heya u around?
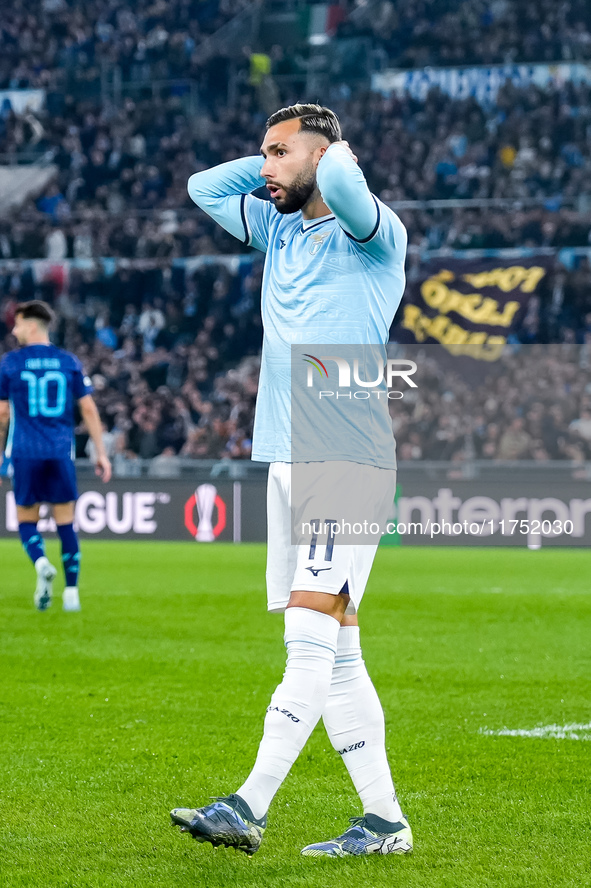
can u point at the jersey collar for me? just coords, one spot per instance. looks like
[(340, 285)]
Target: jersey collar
[(308, 224)]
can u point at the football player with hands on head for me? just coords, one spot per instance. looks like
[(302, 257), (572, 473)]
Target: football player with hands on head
[(334, 273)]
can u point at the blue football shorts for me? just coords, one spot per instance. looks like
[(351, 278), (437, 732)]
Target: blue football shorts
[(43, 481)]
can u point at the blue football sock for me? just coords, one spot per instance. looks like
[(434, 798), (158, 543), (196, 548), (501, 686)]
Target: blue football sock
[(70, 553), (32, 541)]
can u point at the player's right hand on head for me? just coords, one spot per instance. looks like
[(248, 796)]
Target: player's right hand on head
[(103, 468)]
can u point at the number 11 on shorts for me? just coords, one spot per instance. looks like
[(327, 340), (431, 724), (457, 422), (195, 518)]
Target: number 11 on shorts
[(329, 525)]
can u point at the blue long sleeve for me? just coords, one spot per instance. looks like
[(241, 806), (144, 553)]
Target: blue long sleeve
[(345, 192), (221, 192)]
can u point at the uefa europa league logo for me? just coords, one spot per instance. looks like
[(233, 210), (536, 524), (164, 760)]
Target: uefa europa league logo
[(206, 501), (205, 496)]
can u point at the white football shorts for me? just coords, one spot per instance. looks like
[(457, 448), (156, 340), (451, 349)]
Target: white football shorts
[(324, 524)]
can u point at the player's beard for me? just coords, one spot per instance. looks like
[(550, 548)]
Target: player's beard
[(299, 192)]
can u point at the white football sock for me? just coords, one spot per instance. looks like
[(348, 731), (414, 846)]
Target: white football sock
[(354, 721), (296, 705), (71, 599)]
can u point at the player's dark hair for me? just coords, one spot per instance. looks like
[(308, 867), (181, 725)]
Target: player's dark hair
[(36, 309), (313, 119)]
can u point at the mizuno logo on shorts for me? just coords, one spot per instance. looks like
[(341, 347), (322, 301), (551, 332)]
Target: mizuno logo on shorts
[(316, 570)]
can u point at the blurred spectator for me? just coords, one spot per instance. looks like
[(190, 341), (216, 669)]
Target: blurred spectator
[(515, 442), (166, 465), (56, 247), (582, 425), (109, 440), (150, 323)]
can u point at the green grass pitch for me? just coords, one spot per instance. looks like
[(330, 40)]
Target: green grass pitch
[(154, 697)]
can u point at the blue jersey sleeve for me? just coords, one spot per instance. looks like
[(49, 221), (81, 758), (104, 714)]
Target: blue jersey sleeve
[(81, 384), (4, 380), (258, 215), (366, 220), (224, 193)]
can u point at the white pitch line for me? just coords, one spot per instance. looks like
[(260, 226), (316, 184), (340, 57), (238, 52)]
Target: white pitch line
[(554, 732)]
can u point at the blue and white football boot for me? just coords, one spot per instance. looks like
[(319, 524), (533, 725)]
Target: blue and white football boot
[(227, 821), (366, 835), (46, 574)]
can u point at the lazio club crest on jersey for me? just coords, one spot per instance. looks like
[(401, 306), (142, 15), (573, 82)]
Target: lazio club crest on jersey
[(315, 242)]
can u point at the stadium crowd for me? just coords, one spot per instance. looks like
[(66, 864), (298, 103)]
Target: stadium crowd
[(166, 39), (419, 33), (122, 166), (174, 362), (120, 189), (534, 403), (173, 351), (156, 357), (52, 43)]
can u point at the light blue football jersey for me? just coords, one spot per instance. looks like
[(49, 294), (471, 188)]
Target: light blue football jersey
[(336, 280)]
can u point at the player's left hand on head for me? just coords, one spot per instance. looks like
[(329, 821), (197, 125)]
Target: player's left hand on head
[(103, 468), (348, 149)]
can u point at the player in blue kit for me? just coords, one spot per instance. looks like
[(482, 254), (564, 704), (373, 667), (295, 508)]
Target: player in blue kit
[(39, 386), (334, 273)]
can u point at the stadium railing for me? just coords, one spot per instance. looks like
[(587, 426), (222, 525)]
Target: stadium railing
[(434, 469)]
